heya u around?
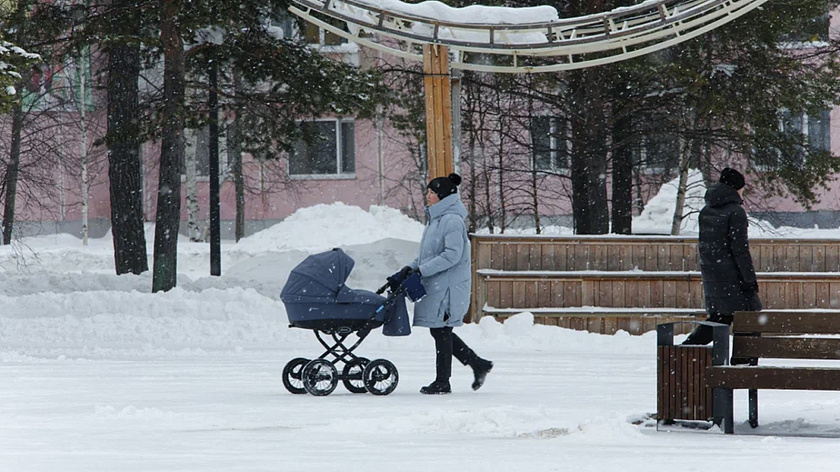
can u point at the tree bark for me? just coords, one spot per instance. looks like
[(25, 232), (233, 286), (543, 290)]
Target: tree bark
[(191, 181), (622, 170), (12, 172), (125, 169), (589, 154), (172, 148), (676, 221)]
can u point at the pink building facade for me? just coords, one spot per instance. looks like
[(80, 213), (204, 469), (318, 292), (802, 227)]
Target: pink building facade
[(364, 163)]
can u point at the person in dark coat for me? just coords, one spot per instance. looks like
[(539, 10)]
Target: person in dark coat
[(445, 271), (726, 266)]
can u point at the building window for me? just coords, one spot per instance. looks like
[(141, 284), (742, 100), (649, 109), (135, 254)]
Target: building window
[(197, 146), (812, 31), (320, 37), (803, 131), (330, 151), (550, 143), (658, 152)]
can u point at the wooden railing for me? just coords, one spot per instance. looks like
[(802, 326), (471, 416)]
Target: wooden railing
[(608, 283)]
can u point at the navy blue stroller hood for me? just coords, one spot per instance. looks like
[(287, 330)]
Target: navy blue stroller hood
[(316, 297)]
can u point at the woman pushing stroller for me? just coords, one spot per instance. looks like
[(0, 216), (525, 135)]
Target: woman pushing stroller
[(444, 267)]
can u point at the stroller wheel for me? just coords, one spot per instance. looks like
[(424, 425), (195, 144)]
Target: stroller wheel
[(292, 375), (319, 377), (352, 375), (381, 377)]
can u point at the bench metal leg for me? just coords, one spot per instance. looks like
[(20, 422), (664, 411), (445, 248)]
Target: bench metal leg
[(723, 411), (753, 408)]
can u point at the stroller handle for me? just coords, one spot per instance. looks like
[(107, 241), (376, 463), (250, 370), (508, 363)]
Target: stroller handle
[(383, 288)]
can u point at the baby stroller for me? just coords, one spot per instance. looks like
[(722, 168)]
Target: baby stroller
[(316, 298)]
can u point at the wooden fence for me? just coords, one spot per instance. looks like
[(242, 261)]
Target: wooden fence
[(608, 283)]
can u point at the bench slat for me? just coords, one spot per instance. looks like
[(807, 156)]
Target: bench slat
[(786, 347), (773, 378), (790, 322)]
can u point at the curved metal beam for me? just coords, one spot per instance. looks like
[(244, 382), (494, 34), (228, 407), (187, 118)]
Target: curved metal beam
[(572, 43)]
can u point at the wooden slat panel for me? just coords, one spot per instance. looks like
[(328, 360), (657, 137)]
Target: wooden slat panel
[(656, 295), (613, 257), (523, 257), (547, 252), (493, 294), (509, 257), (559, 295), (618, 293), (505, 294), (796, 322), (544, 294), (532, 299), (662, 412), (809, 296), (774, 378), (834, 295), (792, 257), (832, 258), (519, 294), (625, 256), (535, 261), (564, 257), (823, 297), (778, 257), (786, 347), (581, 257), (497, 256), (574, 292), (651, 255)]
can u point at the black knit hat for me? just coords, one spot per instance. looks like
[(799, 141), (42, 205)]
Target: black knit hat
[(445, 186), (733, 178)]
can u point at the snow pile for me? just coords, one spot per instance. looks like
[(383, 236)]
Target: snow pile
[(323, 227), (434, 11), (658, 214)]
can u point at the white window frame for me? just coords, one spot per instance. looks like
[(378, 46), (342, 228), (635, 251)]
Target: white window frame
[(554, 145), (339, 157), (804, 129)]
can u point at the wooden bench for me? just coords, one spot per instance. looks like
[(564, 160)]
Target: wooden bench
[(786, 335)]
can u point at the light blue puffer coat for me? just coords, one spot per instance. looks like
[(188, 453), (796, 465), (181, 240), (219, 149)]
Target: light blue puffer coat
[(444, 263)]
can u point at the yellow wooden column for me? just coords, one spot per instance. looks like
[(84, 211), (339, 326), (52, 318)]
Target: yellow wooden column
[(438, 109)]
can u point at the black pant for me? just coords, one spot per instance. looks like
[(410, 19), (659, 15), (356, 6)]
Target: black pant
[(448, 344), (721, 311)]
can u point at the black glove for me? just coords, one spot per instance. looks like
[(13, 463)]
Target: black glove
[(750, 288), (396, 279)]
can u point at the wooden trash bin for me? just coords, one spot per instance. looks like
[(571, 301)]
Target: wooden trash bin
[(681, 388)]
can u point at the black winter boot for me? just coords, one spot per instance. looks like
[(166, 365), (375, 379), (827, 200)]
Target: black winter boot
[(438, 387), (481, 367)]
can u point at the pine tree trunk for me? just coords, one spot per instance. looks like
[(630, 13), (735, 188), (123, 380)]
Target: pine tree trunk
[(164, 275), (622, 172), (12, 172), (589, 154), (125, 169)]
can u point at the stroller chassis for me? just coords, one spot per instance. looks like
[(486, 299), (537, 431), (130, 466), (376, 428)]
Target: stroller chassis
[(320, 376)]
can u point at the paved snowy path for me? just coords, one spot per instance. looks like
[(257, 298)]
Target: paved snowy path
[(200, 411)]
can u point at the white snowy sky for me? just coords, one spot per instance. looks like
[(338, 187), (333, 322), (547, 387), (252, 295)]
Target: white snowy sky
[(100, 375)]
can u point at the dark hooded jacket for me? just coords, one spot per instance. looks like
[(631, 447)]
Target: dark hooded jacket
[(725, 262)]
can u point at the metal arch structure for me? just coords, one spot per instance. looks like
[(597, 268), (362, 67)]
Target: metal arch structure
[(572, 43), (513, 46)]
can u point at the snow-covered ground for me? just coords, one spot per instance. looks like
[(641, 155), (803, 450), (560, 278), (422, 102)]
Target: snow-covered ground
[(98, 374)]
